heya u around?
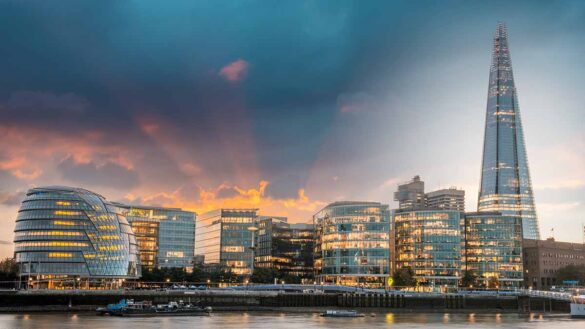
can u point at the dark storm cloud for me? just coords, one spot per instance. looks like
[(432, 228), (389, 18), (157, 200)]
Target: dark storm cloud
[(33, 103), (334, 97), (109, 174)]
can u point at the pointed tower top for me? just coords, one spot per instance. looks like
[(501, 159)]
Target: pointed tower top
[(501, 30)]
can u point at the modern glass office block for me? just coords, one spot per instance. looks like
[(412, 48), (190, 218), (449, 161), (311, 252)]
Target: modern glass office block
[(505, 178), (223, 239), (287, 248), (493, 248), (352, 244), (166, 236), (71, 232), (429, 242)]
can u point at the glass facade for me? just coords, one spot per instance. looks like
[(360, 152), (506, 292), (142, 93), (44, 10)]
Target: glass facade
[(352, 244), (62, 231), (505, 179), (429, 242), (165, 236), (493, 248), (287, 248), (223, 239)]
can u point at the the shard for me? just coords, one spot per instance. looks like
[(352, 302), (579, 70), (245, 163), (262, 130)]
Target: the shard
[(505, 179)]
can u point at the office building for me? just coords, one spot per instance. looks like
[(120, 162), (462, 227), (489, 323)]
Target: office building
[(65, 234), (287, 248), (411, 195), (505, 178), (429, 243), (543, 259), (352, 244), (446, 199), (493, 249), (224, 239), (165, 236)]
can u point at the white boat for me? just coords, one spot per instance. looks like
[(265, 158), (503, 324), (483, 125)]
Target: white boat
[(342, 314), (578, 306)]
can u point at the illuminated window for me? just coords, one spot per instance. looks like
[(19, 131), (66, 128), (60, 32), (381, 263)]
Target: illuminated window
[(67, 213), (178, 254), (64, 222), (233, 248), (60, 255)]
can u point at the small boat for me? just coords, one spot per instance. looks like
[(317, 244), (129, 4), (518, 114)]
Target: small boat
[(342, 314), (578, 306), (129, 308), (180, 308)]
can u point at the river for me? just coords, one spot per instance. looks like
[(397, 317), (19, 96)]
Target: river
[(288, 321)]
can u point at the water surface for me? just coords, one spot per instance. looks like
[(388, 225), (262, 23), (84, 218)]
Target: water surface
[(289, 321)]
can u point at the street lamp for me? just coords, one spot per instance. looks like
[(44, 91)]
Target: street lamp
[(253, 229)]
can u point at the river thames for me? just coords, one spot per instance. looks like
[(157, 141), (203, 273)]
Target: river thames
[(289, 320)]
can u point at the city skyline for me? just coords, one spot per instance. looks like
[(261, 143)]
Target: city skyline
[(285, 110)]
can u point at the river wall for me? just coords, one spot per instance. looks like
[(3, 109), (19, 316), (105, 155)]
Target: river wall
[(226, 300)]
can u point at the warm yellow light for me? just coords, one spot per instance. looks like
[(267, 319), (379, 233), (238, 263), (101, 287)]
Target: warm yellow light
[(63, 222), (60, 255)]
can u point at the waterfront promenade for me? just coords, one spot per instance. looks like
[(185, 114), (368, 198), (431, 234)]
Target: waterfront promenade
[(289, 299)]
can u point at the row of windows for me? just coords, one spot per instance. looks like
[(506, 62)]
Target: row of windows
[(50, 244)]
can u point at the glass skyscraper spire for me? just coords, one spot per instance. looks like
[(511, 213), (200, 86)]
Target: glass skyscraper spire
[(505, 180)]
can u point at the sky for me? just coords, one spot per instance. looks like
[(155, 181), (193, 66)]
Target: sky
[(284, 106)]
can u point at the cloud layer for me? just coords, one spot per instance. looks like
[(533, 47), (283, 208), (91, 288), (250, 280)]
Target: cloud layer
[(284, 107)]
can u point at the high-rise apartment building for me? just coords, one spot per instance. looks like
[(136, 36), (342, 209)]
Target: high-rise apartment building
[(505, 178)]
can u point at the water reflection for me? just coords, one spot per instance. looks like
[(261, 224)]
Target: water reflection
[(225, 320), (446, 318)]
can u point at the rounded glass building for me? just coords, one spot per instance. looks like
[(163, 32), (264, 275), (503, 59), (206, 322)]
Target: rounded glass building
[(65, 233), (352, 245)]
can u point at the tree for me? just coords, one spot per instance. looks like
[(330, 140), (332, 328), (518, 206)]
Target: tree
[(8, 269), (264, 275), (404, 277), (571, 273), (493, 282), (469, 278)]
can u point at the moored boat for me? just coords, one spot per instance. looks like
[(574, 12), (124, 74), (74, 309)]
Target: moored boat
[(128, 308), (342, 314), (578, 306)]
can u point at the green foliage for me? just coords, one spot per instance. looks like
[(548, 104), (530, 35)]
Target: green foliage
[(264, 275), (404, 277), (267, 275), (469, 279), (8, 270), (571, 272), (174, 275)]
